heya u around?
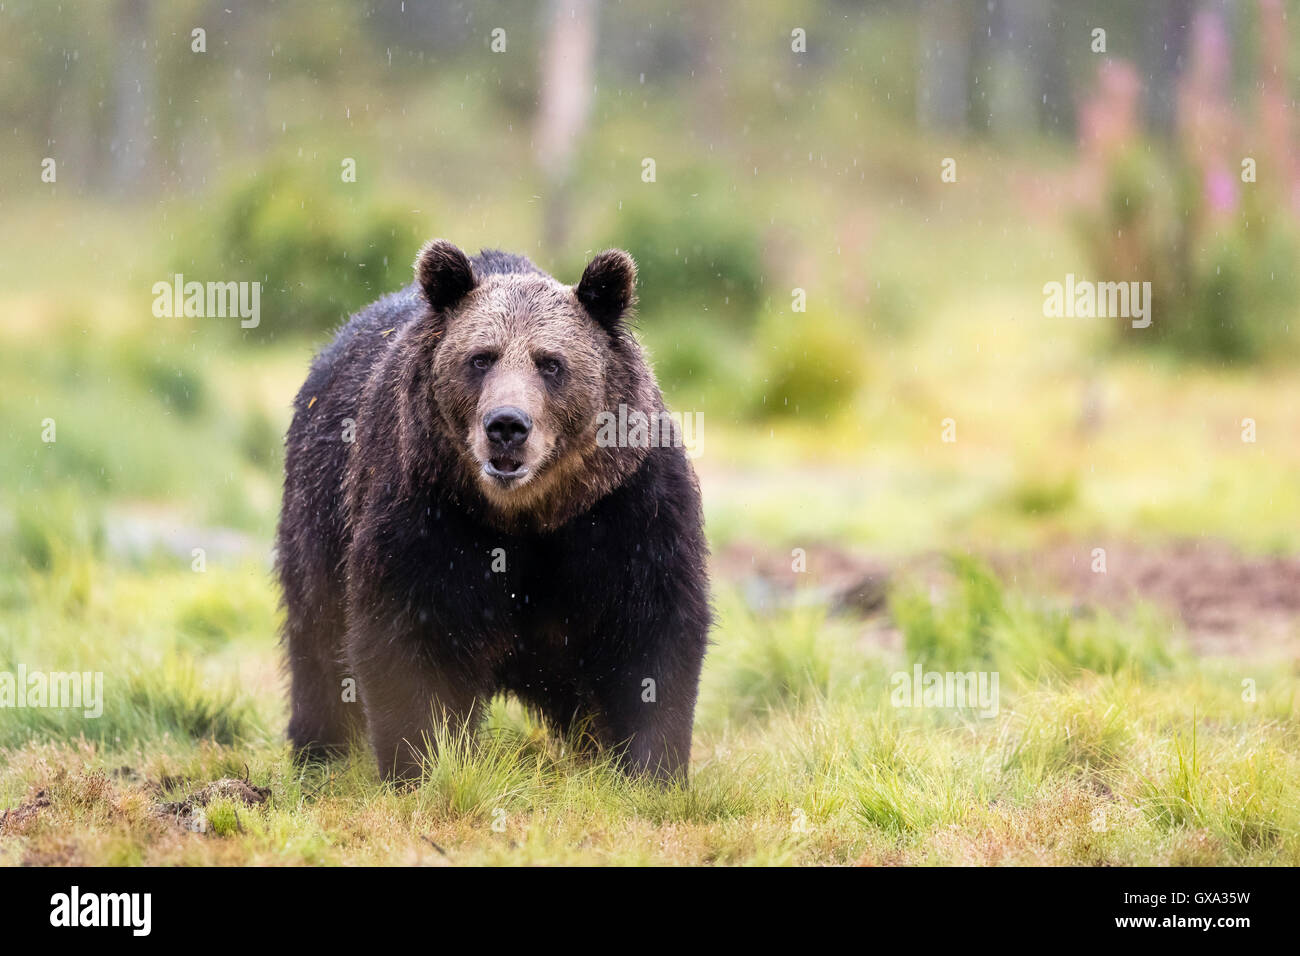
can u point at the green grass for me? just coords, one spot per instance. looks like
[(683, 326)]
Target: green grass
[(981, 626), (799, 757)]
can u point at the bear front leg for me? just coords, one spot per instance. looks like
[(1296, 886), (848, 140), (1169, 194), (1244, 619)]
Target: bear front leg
[(653, 636), (321, 721), (406, 699), (647, 709)]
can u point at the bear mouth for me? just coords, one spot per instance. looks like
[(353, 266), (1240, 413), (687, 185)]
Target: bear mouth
[(504, 470)]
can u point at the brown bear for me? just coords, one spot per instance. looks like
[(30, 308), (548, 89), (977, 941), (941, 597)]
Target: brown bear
[(453, 525)]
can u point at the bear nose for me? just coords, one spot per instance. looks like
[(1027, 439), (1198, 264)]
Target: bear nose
[(507, 426)]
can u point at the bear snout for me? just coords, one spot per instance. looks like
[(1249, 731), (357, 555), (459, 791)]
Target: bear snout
[(507, 428)]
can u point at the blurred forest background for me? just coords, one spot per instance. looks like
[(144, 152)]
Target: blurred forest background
[(797, 152)]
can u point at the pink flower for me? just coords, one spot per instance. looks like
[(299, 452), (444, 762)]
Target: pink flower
[(1220, 190)]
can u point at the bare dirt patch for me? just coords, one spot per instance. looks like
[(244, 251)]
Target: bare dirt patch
[(830, 575), (1229, 603), (188, 813)]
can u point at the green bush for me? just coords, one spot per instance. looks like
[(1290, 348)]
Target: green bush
[(1240, 304), (811, 364), (212, 617), (260, 441), (176, 384), (321, 249), (1044, 495), (51, 527), (1223, 286), (699, 365), (697, 254)]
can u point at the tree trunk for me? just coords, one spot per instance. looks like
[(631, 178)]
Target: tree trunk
[(566, 83)]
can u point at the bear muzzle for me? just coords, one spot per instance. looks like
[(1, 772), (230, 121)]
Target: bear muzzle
[(507, 428)]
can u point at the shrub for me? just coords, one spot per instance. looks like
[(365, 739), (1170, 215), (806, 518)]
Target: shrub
[(177, 385), (811, 364), (696, 256), (1224, 288), (320, 253), (1217, 246), (51, 528)]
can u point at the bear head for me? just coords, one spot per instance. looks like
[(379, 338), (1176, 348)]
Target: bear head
[(516, 368)]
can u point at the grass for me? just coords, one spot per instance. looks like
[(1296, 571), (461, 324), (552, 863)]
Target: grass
[(1145, 758), (981, 625)]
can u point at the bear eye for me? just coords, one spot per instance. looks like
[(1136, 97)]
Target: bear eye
[(482, 361), (550, 367)]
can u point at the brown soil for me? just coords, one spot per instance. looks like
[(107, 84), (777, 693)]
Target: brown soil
[(1229, 603), (228, 787), (831, 575)]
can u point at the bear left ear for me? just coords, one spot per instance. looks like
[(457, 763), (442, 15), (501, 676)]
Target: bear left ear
[(607, 288)]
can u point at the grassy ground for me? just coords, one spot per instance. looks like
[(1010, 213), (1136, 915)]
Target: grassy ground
[(1112, 745)]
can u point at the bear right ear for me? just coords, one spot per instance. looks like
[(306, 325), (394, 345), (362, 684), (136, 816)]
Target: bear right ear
[(444, 274)]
